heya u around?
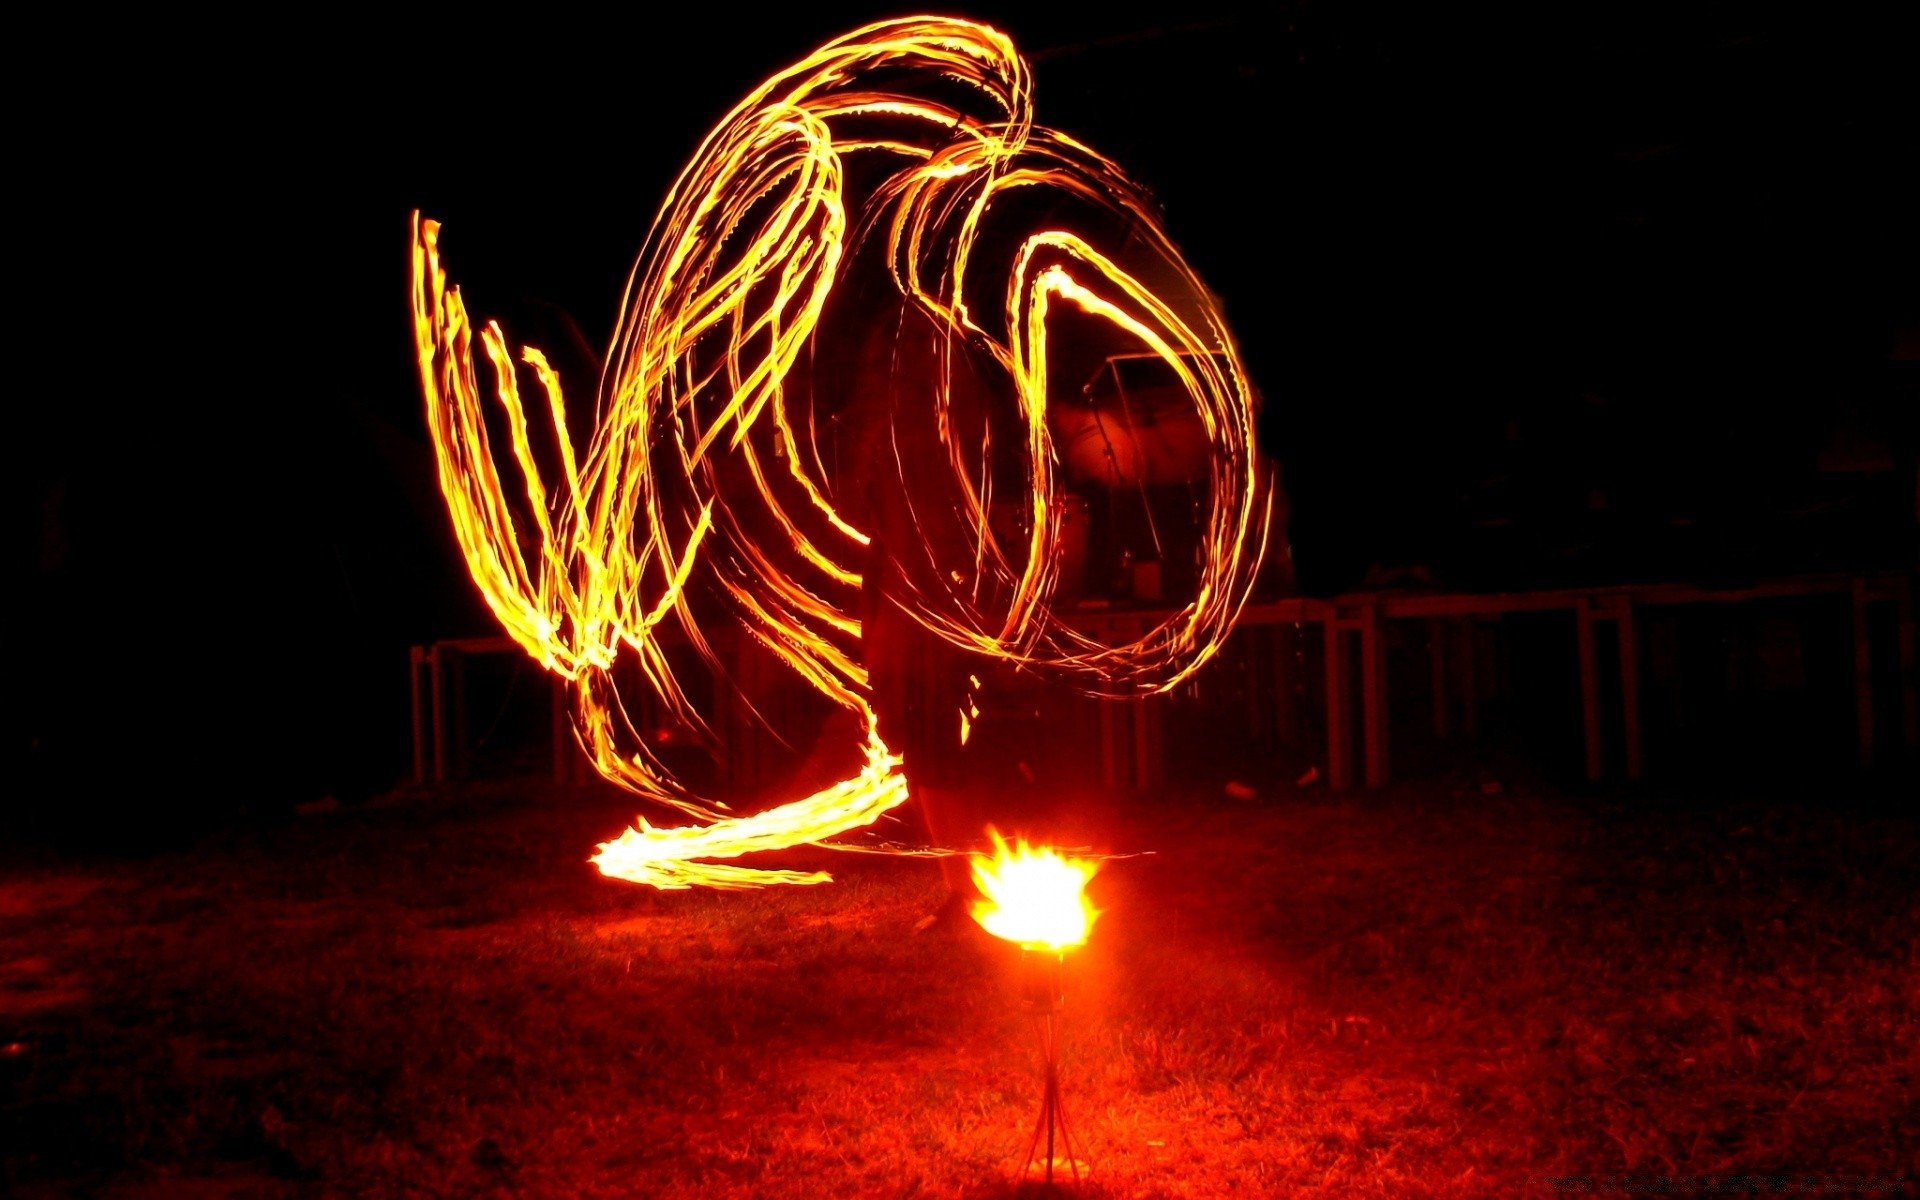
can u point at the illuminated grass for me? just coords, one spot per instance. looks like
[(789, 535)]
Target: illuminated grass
[(1407, 995)]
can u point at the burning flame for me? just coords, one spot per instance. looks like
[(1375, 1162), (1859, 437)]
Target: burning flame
[(1033, 897), (703, 475)]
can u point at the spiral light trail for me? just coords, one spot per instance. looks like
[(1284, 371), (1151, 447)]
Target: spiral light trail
[(909, 144)]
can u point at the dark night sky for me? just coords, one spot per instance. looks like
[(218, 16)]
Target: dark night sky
[(1482, 270)]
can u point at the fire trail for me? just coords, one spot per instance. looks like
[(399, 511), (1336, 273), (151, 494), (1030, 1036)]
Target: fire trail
[(909, 146)]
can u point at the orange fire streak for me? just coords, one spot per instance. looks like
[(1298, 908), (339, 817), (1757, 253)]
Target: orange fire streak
[(673, 490)]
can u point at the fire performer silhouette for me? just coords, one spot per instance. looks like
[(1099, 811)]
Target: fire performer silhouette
[(911, 144), (920, 563)]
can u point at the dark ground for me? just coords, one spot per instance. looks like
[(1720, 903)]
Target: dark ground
[(1474, 985)]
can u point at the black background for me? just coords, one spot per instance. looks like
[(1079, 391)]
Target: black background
[(1532, 300)]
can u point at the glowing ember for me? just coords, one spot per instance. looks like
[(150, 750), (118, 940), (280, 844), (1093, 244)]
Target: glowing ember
[(703, 477), (1033, 897)]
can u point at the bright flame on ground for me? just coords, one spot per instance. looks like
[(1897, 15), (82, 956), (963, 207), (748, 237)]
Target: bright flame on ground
[(1034, 897), (703, 473)]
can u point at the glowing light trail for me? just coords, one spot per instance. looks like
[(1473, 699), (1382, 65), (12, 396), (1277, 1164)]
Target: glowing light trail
[(703, 475)]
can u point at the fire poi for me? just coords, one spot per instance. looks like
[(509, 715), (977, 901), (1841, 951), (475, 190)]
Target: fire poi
[(913, 142)]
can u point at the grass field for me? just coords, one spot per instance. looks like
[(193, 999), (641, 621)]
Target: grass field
[(1433, 991)]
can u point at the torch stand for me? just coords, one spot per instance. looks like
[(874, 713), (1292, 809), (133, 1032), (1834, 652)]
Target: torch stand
[(1041, 996)]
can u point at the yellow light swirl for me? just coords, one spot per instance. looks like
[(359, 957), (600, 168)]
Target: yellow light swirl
[(703, 475)]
